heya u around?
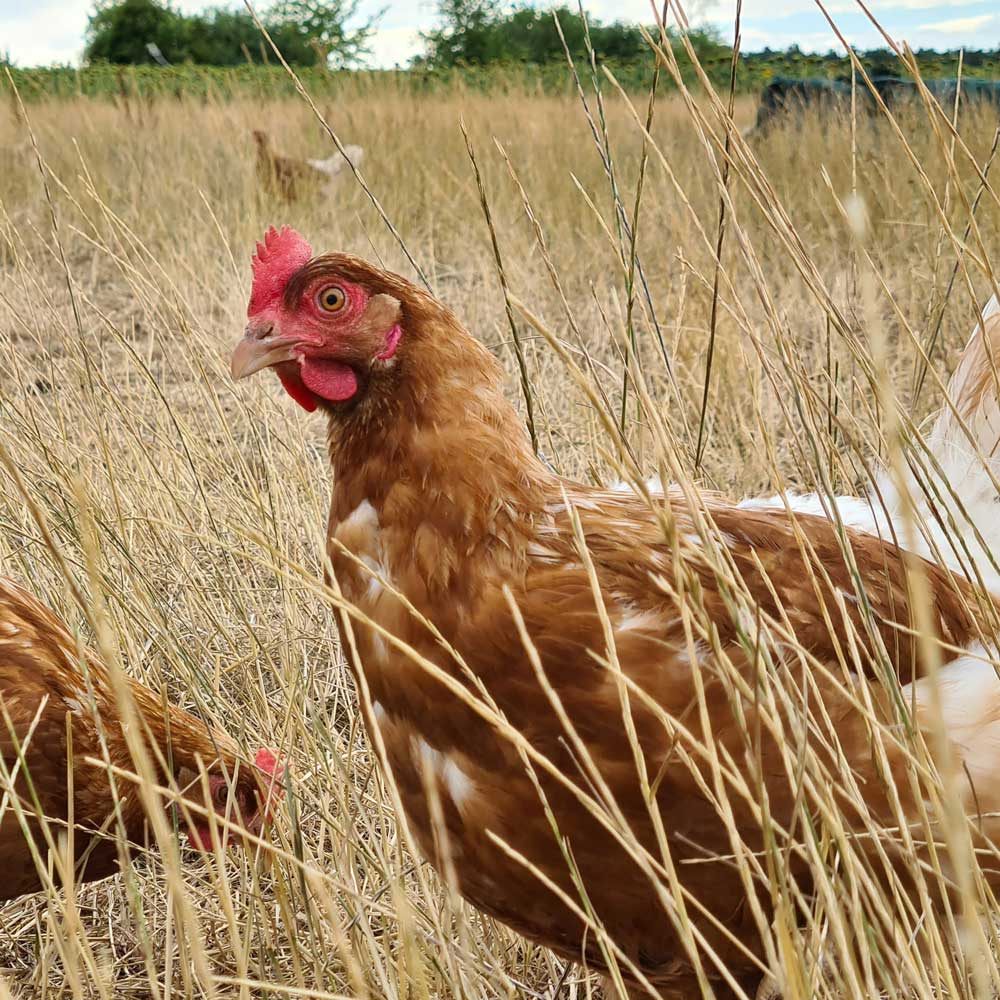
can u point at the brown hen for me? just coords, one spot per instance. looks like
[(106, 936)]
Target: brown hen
[(566, 676), (58, 716)]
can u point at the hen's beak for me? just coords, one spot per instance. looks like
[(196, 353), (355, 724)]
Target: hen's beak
[(261, 347)]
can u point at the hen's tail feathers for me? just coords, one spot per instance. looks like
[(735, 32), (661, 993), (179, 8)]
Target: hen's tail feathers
[(955, 482), (974, 391), (967, 695), (335, 164)]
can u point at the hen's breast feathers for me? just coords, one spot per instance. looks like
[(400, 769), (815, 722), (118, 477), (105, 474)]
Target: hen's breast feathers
[(657, 594)]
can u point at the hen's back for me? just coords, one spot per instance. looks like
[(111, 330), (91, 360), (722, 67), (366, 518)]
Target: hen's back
[(49, 686)]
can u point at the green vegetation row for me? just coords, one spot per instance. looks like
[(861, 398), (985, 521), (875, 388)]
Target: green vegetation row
[(273, 82), (258, 81)]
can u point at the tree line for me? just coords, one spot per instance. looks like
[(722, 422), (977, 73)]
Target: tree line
[(473, 34), (307, 32), (314, 32)]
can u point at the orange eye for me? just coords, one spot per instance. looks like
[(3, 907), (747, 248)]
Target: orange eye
[(331, 299), (220, 793)]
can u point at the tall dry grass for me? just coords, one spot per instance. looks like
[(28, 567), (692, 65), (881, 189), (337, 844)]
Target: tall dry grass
[(123, 281)]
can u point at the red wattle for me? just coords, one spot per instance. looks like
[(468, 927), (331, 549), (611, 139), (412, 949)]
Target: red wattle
[(295, 388), (201, 838), (329, 380)]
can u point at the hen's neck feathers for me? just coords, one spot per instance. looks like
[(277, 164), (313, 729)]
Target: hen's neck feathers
[(439, 444), (181, 737)]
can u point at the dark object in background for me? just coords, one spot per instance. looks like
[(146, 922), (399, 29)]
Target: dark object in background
[(973, 92), (785, 96)]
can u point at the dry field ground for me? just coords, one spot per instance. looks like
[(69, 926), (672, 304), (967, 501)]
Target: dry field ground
[(196, 507)]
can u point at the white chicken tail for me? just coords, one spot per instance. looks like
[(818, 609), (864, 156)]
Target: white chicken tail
[(335, 164), (968, 698), (952, 483), (954, 489), (974, 391)]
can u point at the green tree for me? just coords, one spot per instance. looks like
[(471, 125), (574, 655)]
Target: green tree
[(467, 34), (223, 37), (306, 32), (120, 30), (323, 24), (477, 32)]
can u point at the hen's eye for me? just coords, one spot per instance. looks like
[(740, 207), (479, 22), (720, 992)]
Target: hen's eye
[(332, 299), (220, 793)]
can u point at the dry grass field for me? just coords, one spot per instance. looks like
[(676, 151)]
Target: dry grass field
[(192, 510)]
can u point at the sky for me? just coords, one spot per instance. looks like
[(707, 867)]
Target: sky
[(42, 32)]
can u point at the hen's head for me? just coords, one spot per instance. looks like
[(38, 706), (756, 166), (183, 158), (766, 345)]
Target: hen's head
[(332, 327), (246, 798)]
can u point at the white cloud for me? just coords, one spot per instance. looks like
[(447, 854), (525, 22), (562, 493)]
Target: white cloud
[(401, 13), (767, 9), (422, 13), (924, 4), (814, 41), (49, 31), (394, 46), (960, 25)]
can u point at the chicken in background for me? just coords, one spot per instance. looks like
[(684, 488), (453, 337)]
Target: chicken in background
[(446, 532), (290, 178), (55, 713)]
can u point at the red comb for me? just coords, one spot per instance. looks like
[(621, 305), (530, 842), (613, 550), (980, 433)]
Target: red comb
[(281, 254), (268, 762)]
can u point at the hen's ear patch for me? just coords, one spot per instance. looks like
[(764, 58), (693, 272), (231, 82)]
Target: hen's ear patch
[(382, 313), (278, 257), (380, 323)]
